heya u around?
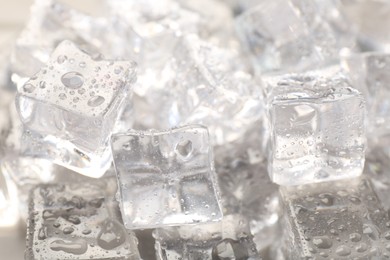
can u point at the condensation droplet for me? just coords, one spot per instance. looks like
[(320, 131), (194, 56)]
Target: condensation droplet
[(95, 101), (29, 88), (72, 80)]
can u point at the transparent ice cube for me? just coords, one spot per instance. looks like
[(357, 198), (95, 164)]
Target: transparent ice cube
[(369, 72), (337, 220), (317, 128), (202, 84), (78, 220), (51, 22), (294, 35), (70, 108), (228, 239), (166, 178)]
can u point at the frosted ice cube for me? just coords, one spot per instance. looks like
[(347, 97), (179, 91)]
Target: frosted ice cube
[(294, 35), (78, 220), (166, 178), (341, 220), (69, 109), (317, 128), (228, 239), (369, 72)]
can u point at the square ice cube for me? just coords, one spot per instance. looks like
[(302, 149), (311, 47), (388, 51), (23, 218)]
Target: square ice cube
[(317, 128), (370, 75), (166, 178), (293, 35), (335, 220), (78, 220), (228, 239), (70, 107)]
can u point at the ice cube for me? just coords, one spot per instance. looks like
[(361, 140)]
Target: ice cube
[(78, 220), (51, 22), (202, 84), (69, 109), (369, 17), (317, 128), (228, 239), (294, 35), (166, 178), (337, 220), (369, 72)]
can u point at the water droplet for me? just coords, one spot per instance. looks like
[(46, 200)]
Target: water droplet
[(42, 233), (355, 237), (61, 59), (72, 80), (29, 88), (76, 99), (361, 248), (82, 64), (68, 230), (42, 84), (95, 101), (76, 247), (118, 70), (62, 96), (87, 231), (322, 242), (343, 251)]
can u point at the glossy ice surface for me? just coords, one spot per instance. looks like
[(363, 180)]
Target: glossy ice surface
[(317, 129), (72, 93), (78, 220), (228, 239), (166, 178), (340, 220)]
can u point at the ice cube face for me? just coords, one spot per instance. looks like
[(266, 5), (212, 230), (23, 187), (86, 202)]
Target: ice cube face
[(369, 72), (228, 239), (77, 221), (293, 35), (166, 178), (71, 94), (317, 129), (340, 220)]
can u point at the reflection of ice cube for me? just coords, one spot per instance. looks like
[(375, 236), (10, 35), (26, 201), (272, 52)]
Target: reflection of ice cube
[(166, 178), (294, 35), (78, 220), (317, 128), (228, 239), (69, 109), (342, 220)]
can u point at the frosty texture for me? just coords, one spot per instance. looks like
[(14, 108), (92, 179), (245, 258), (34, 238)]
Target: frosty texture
[(166, 178), (69, 109)]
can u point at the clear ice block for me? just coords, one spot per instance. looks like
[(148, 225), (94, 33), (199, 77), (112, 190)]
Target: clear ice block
[(70, 108), (294, 35), (335, 220), (317, 128), (78, 220), (228, 239), (369, 73), (166, 178)]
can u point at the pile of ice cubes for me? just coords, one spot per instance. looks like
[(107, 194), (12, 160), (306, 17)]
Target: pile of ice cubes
[(199, 130)]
